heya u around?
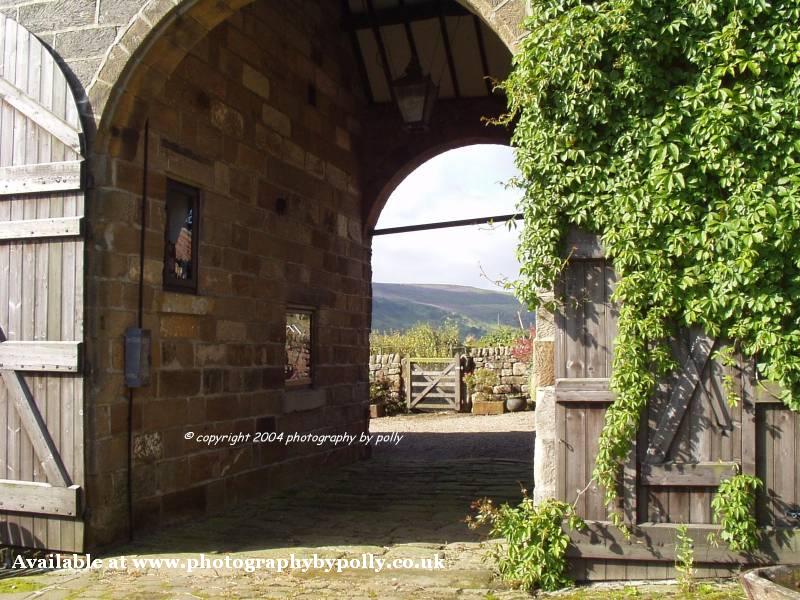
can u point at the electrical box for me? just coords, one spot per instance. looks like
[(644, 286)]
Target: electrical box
[(137, 357)]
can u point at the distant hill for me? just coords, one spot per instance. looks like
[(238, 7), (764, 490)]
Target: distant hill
[(398, 306)]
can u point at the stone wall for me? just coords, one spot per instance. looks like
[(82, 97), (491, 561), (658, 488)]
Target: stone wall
[(280, 225), (512, 373), (388, 367)]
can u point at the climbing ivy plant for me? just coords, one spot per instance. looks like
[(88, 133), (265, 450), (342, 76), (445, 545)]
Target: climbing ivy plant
[(672, 129), (734, 509)]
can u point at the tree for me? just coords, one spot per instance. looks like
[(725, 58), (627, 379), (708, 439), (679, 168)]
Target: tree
[(671, 129)]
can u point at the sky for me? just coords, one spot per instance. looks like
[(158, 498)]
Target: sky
[(459, 184)]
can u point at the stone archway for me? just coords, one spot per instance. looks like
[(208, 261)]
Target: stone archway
[(285, 199), (161, 32)]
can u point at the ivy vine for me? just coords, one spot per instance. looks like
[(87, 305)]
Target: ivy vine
[(672, 129), (734, 509)]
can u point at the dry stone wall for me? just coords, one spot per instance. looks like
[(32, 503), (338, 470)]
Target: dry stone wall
[(512, 372), (388, 367)]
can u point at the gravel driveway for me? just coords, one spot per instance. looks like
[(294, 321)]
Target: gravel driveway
[(448, 436)]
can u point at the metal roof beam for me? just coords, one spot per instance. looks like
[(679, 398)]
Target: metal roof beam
[(446, 224)]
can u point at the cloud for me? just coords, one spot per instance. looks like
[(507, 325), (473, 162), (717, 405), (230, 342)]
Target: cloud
[(460, 184)]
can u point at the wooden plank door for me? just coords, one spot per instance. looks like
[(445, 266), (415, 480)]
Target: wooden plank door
[(693, 437), (41, 299), (690, 438)]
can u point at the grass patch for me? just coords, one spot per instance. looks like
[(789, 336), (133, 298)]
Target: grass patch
[(18, 585)]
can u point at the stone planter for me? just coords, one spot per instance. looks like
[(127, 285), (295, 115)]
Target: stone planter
[(516, 403), (772, 583), (376, 411)]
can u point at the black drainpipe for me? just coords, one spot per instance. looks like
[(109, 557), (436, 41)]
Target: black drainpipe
[(139, 322)]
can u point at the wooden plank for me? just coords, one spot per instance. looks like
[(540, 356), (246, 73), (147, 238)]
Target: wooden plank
[(587, 396), (42, 177), (574, 322), (584, 389), (482, 52), (767, 392), (37, 113), (576, 468), (708, 474), (594, 422), (594, 345), (785, 467), (62, 357), (602, 540), (23, 136), (407, 368), (457, 400), (423, 360), (10, 424), (376, 31), (630, 483), (580, 245), (599, 384), (448, 51), (39, 498), (36, 428), (38, 329), (398, 15), (748, 429), (560, 322), (682, 394), (41, 228)]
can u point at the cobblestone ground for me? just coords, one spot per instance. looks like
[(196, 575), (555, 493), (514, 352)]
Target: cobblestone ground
[(393, 506)]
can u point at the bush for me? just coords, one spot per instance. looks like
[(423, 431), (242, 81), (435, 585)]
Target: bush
[(503, 335), (534, 554), (380, 392), (480, 379), (422, 340)]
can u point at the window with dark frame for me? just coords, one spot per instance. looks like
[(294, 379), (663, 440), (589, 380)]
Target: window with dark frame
[(299, 347), (181, 237)]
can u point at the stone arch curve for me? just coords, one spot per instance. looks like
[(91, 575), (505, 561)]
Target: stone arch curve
[(382, 196), (162, 32)]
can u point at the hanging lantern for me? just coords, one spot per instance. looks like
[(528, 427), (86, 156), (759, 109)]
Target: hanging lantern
[(416, 94)]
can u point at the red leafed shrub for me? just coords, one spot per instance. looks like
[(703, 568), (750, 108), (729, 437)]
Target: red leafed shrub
[(522, 349)]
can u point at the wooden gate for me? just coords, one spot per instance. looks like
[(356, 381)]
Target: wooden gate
[(433, 383), (690, 439), (41, 299)]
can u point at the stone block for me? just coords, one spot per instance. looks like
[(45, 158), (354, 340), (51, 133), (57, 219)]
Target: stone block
[(255, 81), (85, 43), (276, 120), (178, 383), (227, 119), (179, 326), (53, 16), (543, 368)]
